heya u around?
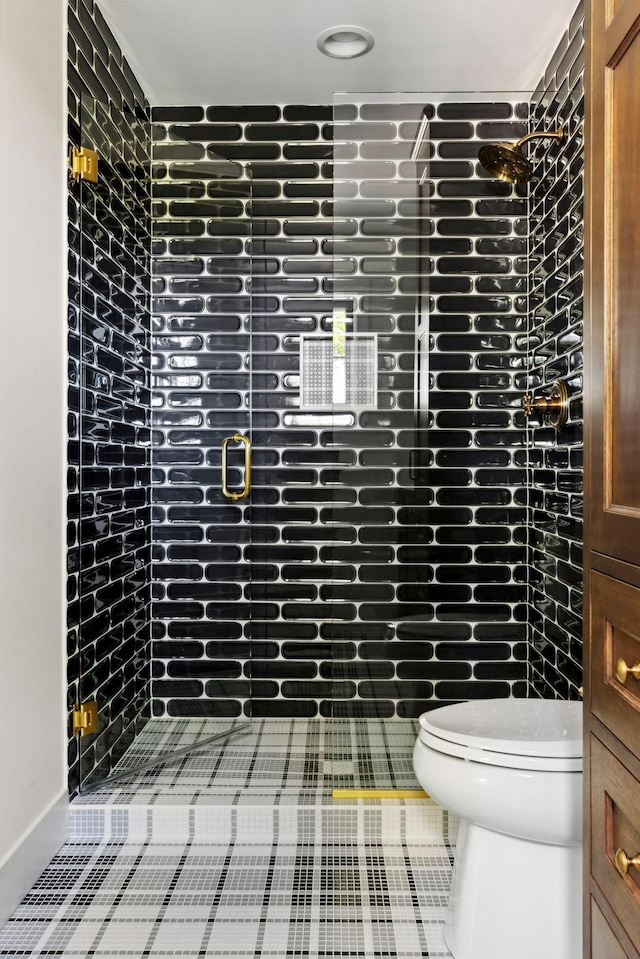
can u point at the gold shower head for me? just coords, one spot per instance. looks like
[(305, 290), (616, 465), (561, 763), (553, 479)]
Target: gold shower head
[(506, 161)]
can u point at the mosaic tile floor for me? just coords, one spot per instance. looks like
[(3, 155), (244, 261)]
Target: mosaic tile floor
[(298, 761), (239, 851), (235, 900)]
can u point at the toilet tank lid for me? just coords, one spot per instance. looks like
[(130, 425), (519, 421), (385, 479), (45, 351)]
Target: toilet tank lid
[(527, 727)]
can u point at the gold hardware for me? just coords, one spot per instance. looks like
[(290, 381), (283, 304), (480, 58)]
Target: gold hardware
[(554, 408), (623, 863), (507, 162), (240, 494), (623, 670), (84, 718), (548, 134), (83, 164), (379, 794)]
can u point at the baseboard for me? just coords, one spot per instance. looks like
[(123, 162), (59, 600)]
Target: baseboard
[(32, 855)]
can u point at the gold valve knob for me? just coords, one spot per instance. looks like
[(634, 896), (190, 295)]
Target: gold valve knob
[(555, 407), (541, 404), (623, 670), (623, 863)]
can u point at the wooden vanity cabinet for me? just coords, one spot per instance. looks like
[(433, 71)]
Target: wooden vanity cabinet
[(612, 481)]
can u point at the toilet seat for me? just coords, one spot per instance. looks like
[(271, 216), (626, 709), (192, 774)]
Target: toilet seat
[(513, 733)]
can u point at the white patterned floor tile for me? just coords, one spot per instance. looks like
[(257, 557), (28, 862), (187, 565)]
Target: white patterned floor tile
[(240, 851), (132, 900)]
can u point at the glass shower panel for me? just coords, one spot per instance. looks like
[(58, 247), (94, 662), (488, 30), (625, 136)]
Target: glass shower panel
[(430, 286), (379, 335), (156, 430), (114, 529)]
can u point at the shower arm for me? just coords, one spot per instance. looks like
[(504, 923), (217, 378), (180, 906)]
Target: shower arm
[(551, 134)]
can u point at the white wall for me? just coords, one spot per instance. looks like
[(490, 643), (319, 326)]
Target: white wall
[(32, 444)]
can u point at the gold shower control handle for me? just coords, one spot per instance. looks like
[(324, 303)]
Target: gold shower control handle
[(555, 407), (623, 670), (243, 493), (623, 863), (539, 405)]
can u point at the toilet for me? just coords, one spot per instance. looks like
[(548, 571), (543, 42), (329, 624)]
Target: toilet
[(511, 769)]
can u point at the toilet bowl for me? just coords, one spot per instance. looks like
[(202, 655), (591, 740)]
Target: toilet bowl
[(512, 770)]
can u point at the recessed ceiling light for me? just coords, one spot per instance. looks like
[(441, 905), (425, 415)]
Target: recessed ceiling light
[(345, 42)]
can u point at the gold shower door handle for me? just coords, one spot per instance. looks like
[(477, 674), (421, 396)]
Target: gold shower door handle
[(243, 493)]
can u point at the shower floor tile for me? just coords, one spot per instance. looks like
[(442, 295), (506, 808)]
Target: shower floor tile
[(232, 899), (282, 761)]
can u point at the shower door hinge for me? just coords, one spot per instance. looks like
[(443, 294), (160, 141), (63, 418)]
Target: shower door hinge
[(83, 164), (84, 718)]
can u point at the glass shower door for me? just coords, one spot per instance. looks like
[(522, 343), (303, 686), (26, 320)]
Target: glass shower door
[(380, 377), (164, 471), (438, 278), (202, 459)]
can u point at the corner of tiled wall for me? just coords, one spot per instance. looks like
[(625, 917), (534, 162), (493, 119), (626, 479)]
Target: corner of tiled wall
[(555, 351)]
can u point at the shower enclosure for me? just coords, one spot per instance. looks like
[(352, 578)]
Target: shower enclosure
[(365, 326)]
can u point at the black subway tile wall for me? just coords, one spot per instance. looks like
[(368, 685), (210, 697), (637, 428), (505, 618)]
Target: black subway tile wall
[(385, 579), (109, 531), (555, 351)]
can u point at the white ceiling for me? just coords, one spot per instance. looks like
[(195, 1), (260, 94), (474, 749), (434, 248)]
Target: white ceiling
[(264, 51)]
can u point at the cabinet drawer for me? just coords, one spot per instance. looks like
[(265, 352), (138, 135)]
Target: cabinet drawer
[(615, 642), (604, 944), (615, 825)]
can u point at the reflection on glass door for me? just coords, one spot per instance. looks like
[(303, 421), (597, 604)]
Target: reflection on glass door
[(155, 428), (428, 597)]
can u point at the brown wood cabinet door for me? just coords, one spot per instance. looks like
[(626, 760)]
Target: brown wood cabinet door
[(613, 278), (604, 941), (615, 807)]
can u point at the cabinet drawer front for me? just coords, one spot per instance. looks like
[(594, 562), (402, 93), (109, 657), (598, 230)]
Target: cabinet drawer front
[(615, 824), (615, 639), (604, 944)]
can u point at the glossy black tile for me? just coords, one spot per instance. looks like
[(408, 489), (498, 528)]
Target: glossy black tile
[(554, 333), (214, 132), (475, 111), (178, 114), (281, 132), (242, 114)]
